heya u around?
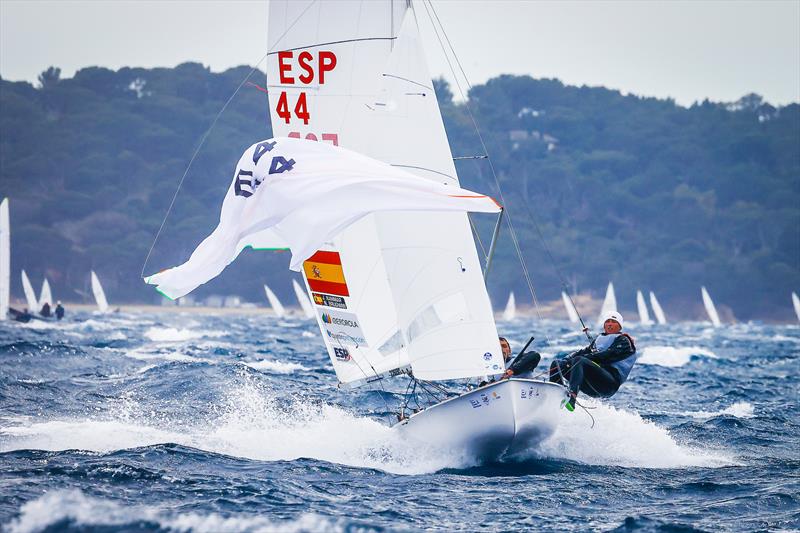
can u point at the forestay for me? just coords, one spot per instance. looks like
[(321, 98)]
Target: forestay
[(99, 294), (395, 288)]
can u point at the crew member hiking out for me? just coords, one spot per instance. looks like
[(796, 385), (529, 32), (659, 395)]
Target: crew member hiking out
[(523, 365), (599, 369)]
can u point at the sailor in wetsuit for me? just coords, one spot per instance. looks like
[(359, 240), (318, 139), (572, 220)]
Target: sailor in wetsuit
[(59, 310), (45, 311), (523, 366), (599, 369)]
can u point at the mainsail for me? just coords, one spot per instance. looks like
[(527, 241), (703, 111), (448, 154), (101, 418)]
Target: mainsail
[(510, 312), (711, 310), (641, 307), (796, 304), (303, 301), (394, 289), (46, 296), (657, 311), (99, 294), (30, 295), (276, 304), (5, 259), (609, 304), (572, 313)]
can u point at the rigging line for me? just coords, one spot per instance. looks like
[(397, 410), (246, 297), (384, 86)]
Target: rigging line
[(208, 132), (530, 214), (486, 152)]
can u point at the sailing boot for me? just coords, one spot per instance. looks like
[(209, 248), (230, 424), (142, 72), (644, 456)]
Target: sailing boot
[(568, 403)]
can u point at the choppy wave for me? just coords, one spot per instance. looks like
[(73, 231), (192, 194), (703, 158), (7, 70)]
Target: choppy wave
[(738, 410), (59, 508), (672, 356), (162, 334)]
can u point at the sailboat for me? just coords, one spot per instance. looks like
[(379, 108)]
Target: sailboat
[(5, 260), (510, 312), (30, 295), (302, 300), (394, 275), (46, 295), (277, 306), (796, 304), (657, 311), (711, 310), (572, 313), (99, 294), (609, 304), (641, 307)]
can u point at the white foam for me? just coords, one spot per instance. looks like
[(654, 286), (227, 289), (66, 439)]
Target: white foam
[(738, 409), (148, 355), (279, 367), (671, 356), (161, 334), (82, 510), (622, 438)]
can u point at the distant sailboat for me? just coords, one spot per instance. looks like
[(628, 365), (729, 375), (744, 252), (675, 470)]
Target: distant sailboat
[(46, 296), (641, 307), (99, 294), (30, 295), (510, 312), (710, 309), (5, 259), (657, 311), (276, 304), (572, 313), (796, 303), (609, 304), (303, 300)]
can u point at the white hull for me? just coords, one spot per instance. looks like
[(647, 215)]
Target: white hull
[(511, 416)]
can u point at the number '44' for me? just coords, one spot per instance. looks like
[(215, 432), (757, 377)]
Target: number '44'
[(300, 108)]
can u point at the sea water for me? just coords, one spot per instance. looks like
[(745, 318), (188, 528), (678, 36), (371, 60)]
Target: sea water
[(170, 422)]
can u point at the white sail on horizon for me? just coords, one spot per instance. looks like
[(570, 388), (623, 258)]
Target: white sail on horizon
[(303, 301), (510, 312), (609, 304), (641, 307), (274, 302), (711, 309), (796, 304), (99, 294), (572, 313), (411, 290), (30, 294), (5, 259), (657, 311), (46, 295)]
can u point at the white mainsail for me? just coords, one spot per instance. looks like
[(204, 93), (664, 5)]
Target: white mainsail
[(510, 312), (46, 296), (796, 304), (609, 304), (30, 295), (5, 259), (711, 310), (99, 294), (572, 313), (641, 307), (303, 301), (657, 311), (276, 304), (410, 288)]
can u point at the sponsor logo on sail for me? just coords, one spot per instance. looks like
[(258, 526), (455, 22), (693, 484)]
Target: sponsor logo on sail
[(341, 354), (328, 300), (487, 356)]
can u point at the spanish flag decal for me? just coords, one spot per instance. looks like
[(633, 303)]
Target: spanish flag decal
[(324, 273)]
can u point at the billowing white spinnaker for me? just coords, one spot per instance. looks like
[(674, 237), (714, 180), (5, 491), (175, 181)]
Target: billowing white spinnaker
[(90, 512), (711, 309), (254, 424), (672, 356)]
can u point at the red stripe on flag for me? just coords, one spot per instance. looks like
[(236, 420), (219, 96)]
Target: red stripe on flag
[(328, 287), (329, 258)]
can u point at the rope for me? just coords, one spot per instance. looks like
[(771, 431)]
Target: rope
[(511, 228), (208, 132)]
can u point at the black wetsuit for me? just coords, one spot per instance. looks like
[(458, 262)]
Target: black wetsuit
[(59, 311), (598, 373), (525, 363), (45, 312)]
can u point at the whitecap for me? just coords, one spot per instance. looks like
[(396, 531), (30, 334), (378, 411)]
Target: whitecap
[(738, 409), (672, 356), (280, 367)]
